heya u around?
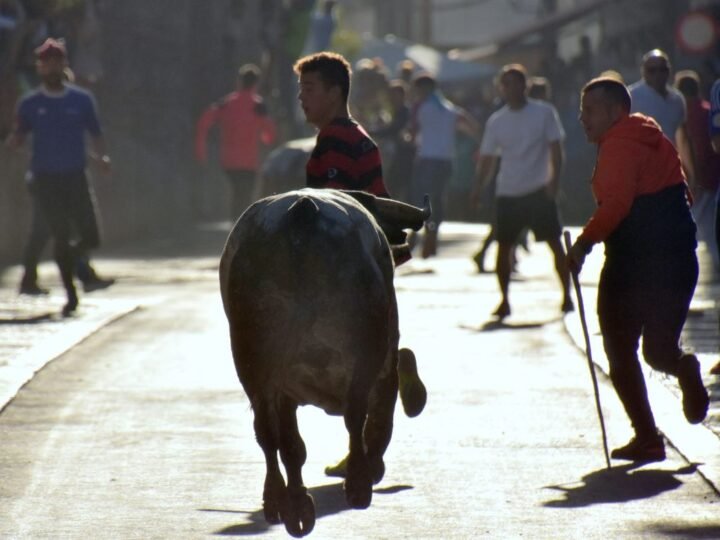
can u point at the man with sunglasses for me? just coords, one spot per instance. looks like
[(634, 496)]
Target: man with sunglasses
[(654, 97)]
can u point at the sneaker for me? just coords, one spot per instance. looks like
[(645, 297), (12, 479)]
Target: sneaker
[(32, 289), (339, 469), (413, 394), (502, 311), (641, 450), (567, 306), (96, 284), (71, 305), (479, 260), (694, 395)]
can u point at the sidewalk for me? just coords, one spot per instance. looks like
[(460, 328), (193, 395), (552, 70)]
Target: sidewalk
[(32, 333)]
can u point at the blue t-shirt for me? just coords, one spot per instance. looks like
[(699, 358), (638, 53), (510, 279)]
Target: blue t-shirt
[(58, 123)]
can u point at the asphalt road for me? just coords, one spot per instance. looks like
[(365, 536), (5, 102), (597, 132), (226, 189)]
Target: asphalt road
[(142, 430)]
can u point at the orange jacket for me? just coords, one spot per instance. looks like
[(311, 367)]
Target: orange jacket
[(243, 124), (634, 158)]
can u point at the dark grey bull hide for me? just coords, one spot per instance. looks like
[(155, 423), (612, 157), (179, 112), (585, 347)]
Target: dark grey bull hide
[(307, 286)]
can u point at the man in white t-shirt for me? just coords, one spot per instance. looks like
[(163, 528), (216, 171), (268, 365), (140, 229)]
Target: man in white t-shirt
[(528, 136)]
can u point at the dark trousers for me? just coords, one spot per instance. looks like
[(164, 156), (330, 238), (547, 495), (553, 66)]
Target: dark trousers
[(64, 209), (431, 176), (650, 298), (242, 184)]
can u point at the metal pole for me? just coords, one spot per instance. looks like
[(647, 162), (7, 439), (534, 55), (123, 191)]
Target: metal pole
[(588, 351)]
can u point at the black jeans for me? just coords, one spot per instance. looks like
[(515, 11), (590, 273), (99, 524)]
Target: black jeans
[(64, 207), (647, 297)]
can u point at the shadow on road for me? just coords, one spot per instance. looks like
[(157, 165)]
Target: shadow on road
[(497, 324), (329, 500), (676, 531), (617, 485)]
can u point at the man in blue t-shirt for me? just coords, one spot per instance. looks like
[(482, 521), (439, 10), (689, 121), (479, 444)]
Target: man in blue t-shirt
[(57, 116)]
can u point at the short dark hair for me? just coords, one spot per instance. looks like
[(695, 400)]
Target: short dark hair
[(688, 82), (249, 75), (613, 90), (333, 69), (424, 81), (516, 70)]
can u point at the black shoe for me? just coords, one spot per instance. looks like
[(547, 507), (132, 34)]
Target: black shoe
[(71, 306), (567, 306), (641, 449), (413, 394), (502, 311), (96, 284), (695, 397), (32, 289)]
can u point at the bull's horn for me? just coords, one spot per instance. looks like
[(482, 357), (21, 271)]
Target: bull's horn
[(392, 210)]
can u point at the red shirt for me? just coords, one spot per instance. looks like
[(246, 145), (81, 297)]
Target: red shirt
[(706, 160), (345, 157), (634, 158), (244, 123)]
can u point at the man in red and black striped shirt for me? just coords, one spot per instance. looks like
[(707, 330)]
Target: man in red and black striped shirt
[(345, 157)]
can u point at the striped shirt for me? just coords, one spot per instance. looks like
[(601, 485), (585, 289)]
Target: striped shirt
[(345, 157)]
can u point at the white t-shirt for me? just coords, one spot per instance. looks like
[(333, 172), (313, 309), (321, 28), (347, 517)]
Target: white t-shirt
[(436, 119), (668, 111), (522, 138)]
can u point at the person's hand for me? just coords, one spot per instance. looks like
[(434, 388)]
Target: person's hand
[(103, 163), (575, 257)]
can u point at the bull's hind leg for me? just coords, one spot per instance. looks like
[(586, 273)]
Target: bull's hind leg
[(274, 492), (379, 424), (358, 481), (299, 513)]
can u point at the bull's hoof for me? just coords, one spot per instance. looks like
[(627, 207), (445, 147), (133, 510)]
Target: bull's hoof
[(378, 470), (413, 394), (358, 484), (299, 516), (358, 495)]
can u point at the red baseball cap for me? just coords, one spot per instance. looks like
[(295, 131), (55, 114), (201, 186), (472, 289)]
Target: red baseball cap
[(51, 47)]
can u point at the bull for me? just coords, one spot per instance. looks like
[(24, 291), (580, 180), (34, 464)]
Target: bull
[(306, 279)]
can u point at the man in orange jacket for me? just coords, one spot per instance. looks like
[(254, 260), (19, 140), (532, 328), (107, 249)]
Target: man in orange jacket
[(244, 124), (650, 269)]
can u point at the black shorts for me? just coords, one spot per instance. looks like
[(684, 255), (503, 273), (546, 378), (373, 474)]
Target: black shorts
[(534, 211)]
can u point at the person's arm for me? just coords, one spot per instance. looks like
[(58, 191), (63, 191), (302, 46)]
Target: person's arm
[(485, 172), (557, 161), (687, 155), (98, 153), (206, 121), (467, 124)]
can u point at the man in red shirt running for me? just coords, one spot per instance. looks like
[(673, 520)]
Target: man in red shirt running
[(345, 157), (244, 123)]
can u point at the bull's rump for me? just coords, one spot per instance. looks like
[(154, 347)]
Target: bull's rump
[(309, 299)]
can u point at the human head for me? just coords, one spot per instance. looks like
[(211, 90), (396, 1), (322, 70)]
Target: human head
[(513, 84), (687, 82), (398, 93), (539, 88), (324, 80), (248, 76), (423, 85), (604, 101), (51, 61), (405, 70), (656, 69)]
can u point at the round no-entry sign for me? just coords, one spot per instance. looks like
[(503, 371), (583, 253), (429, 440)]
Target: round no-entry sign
[(696, 32)]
